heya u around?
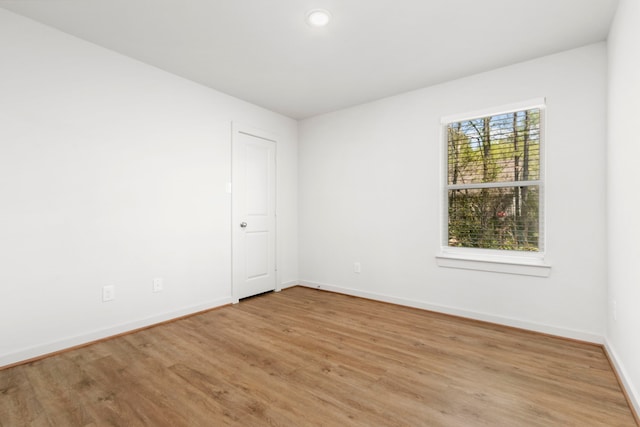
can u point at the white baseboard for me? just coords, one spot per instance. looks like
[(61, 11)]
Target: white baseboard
[(516, 323), (70, 342), (289, 284), (632, 392)]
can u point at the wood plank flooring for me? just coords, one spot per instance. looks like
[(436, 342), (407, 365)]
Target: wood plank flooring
[(303, 357)]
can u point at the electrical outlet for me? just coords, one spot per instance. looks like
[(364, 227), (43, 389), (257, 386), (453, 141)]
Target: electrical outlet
[(157, 284), (108, 293), (357, 268)]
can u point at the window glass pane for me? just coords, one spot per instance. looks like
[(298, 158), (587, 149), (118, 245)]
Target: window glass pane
[(494, 218), (500, 148)]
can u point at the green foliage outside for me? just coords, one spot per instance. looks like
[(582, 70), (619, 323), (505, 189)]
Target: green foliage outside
[(491, 162)]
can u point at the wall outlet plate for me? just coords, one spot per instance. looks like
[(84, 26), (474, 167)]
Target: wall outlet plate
[(108, 293), (157, 284)]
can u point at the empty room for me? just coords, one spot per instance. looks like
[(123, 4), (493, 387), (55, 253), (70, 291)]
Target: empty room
[(319, 212)]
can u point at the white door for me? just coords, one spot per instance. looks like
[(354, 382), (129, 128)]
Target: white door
[(253, 213)]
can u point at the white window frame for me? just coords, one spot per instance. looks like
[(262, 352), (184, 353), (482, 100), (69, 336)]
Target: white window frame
[(494, 260)]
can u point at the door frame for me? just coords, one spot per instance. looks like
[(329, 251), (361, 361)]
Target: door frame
[(241, 128)]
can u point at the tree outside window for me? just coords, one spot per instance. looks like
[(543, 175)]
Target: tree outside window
[(494, 182)]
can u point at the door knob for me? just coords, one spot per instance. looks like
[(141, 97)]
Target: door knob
[(243, 224)]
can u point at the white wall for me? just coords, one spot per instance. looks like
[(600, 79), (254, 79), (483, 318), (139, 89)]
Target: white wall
[(114, 172), (370, 192), (623, 202)]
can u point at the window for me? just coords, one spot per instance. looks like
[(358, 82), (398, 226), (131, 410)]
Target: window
[(494, 182)]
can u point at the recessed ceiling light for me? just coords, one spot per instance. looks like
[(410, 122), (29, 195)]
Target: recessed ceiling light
[(318, 17)]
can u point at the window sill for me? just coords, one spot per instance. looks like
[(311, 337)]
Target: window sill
[(496, 264)]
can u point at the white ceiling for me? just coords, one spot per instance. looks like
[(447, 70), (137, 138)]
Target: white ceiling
[(262, 51)]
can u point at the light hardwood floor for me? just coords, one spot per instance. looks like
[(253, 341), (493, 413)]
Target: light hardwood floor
[(303, 357)]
